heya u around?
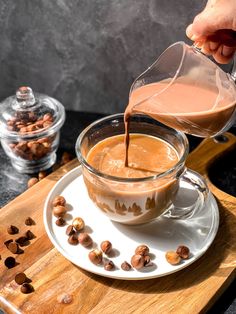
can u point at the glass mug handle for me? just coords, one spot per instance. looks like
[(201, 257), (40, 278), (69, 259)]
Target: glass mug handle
[(191, 197)]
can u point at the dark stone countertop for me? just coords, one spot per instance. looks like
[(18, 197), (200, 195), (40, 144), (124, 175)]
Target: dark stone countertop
[(12, 183)]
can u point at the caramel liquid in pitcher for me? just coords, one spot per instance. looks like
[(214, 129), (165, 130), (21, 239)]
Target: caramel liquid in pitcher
[(182, 106)]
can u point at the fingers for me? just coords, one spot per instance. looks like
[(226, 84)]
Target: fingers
[(192, 35), (223, 54)]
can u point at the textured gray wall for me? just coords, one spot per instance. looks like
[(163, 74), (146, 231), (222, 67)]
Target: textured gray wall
[(86, 53)]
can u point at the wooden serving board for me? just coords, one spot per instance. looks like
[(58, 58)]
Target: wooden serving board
[(191, 290)]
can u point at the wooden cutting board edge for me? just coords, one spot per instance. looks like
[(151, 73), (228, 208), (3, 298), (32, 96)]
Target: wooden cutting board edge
[(208, 148)]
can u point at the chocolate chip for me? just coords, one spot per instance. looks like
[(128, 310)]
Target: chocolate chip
[(29, 221), (7, 242), (126, 266), (10, 262), (70, 230), (73, 239), (13, 247), (29, 235), (12, 229), (26, 288), (109, 266), (60, 222), (22, 241), (147, 261), (20, 278)]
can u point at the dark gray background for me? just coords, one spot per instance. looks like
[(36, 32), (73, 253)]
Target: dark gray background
[(86, 53)]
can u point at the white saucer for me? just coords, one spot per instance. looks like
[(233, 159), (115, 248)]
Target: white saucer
[(161, 235)]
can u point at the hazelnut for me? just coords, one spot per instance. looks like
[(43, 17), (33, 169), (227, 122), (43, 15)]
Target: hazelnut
[(109, 266), (41, 175), (183, 251), (78, 223), (106, 246), (173, 258), (39, 123), (47, 117), (73, 239), (32, 182), (59, 211), (126, 266), (137, 261), (47, 124), (95, 256), (60, 222), (142, 250), (85, 239), (59, 200), (70, 230)]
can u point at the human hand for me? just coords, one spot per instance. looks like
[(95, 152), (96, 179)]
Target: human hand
[(214, 30)]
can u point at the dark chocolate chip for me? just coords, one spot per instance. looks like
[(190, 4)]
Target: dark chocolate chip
[(20, 278), (70, 230), (22, 241), (60, 222), (12, 229), (7, 242), (109, 266), (29, 235), (13, 247), (10, 262), (29, 221), (26, 288), (73, 239), (126, 266)]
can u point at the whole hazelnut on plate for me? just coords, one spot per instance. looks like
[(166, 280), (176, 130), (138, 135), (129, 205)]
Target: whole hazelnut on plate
[(95, 256), (59, 200), (85, 239), (183, 251), (59, 211), (173, 258), (137, 261), (106, 246), (142, 250), (78, 223)]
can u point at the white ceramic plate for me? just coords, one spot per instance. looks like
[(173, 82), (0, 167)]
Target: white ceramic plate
[(161, 235)]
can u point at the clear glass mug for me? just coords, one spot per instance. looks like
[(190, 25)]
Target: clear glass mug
[(195, 95), (139, 200)]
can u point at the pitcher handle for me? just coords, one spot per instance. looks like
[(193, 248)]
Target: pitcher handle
[(233, 70)]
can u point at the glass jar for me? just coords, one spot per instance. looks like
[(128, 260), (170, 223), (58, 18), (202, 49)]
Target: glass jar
[(29, 129)]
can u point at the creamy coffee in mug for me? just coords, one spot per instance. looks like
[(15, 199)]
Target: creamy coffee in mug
[(146, 188)]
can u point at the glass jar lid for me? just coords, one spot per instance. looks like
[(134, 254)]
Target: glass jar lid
[(26, 115)]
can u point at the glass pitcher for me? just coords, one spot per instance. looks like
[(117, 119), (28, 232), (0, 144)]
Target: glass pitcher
[(187, 91)]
